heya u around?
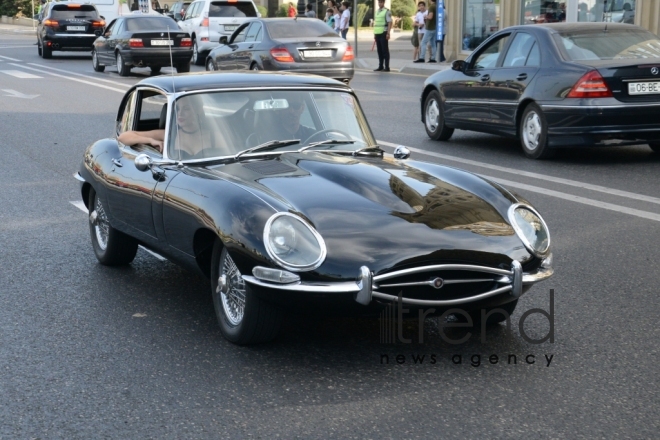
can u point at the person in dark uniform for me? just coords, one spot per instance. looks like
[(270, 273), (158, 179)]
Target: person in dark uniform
[(382, 28)]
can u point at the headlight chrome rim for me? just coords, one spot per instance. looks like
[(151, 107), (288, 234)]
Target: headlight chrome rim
[(511, 214), (281, 262)]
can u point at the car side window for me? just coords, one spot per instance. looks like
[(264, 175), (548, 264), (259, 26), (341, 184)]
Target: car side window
[(253, 32), (125, 122), (534, 58), (109, 29), (198, 9), (487, 57), (190, 11), (240, 37), (519, 50)]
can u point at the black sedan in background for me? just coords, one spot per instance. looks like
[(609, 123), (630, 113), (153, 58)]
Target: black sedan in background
[(281, 44), (68, 26), (142, 41), (553, 86)]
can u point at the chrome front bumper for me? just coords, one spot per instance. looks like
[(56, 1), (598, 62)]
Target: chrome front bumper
[(366, 286)]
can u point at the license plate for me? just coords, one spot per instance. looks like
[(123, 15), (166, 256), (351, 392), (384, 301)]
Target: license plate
[(75, 28), (230, 28), (644, 88), (162, 42), (318, 54)]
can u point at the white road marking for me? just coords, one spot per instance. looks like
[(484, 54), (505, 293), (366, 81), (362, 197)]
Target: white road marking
[(568, 182), (71, 79), (10, 59), (368, 91), (93, 78), (19, 74), (15, 94), (80, 205)]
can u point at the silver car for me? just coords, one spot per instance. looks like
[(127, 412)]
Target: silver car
[(207, 20)]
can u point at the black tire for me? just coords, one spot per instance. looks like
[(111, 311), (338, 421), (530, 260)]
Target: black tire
[(183, 67), (111, 247), (434, 119), (258, 322), (39, 47), (197, 59), (122, 68), (155, 69), (210, 65), (95, 63), (655, 146), (46, 52), (495, 318), (254, 66), (533, 133)]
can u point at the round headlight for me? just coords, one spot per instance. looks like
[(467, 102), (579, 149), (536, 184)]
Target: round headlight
[(531, 229), (293, 243)]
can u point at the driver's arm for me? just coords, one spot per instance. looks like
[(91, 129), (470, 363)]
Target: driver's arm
[(154, 138)]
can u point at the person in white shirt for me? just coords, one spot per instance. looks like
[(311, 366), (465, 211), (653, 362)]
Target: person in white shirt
[(419, 25), (337, 21), (345, 19)]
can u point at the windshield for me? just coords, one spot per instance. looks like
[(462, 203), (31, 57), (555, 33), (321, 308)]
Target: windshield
[(232, 9), (64, 12), (611, 45), (226, 123), (150, 23)]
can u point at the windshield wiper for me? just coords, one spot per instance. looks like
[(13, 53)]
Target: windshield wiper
[(327, 141), (267, 146)]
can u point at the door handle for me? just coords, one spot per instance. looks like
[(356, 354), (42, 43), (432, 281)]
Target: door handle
[(251, 46), (522, 77), (117, 162), (485, 78)]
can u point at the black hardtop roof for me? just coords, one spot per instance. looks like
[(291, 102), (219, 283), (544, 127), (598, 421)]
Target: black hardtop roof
[(221, 80)]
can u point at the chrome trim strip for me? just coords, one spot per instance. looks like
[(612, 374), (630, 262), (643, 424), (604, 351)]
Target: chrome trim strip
[(280, 261), (649, 80), (599, 107), (78, 177), (458, 101), (336, 287), (444, 282), (447, 302), (542, 274), (77, 35), (468, 267), (519, 233)]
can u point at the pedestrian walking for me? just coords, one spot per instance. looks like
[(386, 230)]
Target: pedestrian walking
[(382, 28), (292, 13), (419, 27), (309, 13), (337, 21), (345, 19), (429, 35), (441, 55)]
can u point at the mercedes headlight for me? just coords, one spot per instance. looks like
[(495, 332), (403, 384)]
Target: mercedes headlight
[(531, 229), (293, 243)]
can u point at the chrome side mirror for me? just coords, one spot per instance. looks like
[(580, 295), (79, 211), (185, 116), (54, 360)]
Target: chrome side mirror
[(143, 162), (400, 152)]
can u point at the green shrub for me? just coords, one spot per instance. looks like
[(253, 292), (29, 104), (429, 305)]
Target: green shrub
[(406, 24), (262, 10), (362, 11), (283, 10), (403, 8)]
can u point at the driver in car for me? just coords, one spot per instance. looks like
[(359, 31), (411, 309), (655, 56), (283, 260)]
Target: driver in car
[(289, 119)]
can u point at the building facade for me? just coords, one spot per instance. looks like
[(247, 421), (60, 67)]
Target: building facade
[(469, 22)]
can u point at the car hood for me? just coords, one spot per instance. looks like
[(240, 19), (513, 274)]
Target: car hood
[(387, 213)]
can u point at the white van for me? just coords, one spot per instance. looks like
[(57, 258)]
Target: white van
[(111, 9)]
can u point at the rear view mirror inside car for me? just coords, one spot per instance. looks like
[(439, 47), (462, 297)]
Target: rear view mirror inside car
[(270, 104)]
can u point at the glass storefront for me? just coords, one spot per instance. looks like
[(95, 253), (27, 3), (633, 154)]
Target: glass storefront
[(541, 11), (616, 11), (481, 19)]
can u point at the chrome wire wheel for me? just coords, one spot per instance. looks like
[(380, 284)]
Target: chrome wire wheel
[(432, 115), (231, 288), (532, 129), (101, 225)]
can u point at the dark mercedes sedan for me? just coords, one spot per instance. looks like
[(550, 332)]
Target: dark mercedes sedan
[(68, 26), (142, 41), (302, 45), (553, 86)]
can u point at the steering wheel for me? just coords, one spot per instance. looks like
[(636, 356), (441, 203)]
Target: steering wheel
[(327, 130)]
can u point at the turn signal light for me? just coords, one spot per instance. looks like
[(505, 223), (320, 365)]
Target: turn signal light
[(186, 42), (348, 55), (591, 85), (51, 23), (205, 22), (100, 23), (281, 54), (135, 42)]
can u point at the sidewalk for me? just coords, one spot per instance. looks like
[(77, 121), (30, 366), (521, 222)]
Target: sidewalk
[(401, 50)]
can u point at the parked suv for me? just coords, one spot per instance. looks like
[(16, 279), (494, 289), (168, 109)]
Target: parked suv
[(207, 20), (68, 26)]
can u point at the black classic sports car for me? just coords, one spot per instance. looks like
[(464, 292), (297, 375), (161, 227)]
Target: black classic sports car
[(553, 86), (281, 44), (273, 186), (142, 41)]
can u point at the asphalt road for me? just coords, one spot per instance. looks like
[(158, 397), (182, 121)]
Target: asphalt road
[(88, 351)]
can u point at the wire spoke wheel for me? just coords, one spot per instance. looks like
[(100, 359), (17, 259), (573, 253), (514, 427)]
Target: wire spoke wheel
[(231, 288), (101, 226)]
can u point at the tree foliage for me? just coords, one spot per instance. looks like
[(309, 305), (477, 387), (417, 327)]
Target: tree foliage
[(361, 13), (403, 8), (11, 8)]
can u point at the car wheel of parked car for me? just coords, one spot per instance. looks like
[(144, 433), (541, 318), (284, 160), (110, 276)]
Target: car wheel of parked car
[(210, 65), (111, 246), (244, 318), (122, 68), (183, 68), (534, 133), (655, 146), (255, 66), (434, 119), (39, 47), (196, 59), (155, 69), (95, 63), (46, 52)]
